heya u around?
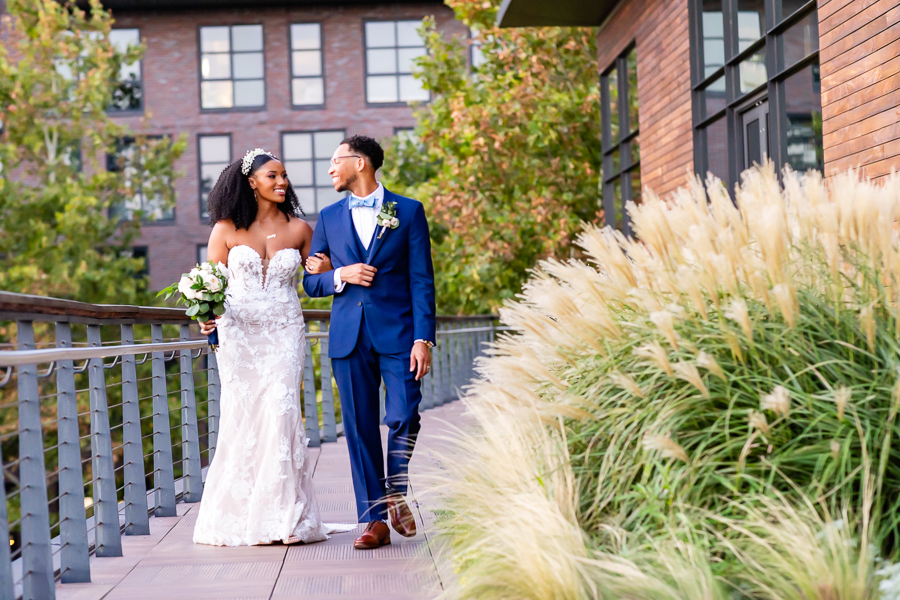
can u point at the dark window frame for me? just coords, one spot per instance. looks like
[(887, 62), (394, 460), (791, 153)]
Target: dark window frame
[(130, 112), (312, 133), (239, 109), (737, 103), (203, 213), (199, 246), (365, 48), (626, 136), (292, 77)]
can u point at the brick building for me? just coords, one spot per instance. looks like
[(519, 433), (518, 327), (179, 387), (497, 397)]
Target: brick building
[(290, 76), (690, 86)]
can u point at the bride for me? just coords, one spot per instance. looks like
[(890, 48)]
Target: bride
[(259, 487)]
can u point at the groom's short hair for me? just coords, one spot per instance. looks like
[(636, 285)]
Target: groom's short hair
[(368, 148)]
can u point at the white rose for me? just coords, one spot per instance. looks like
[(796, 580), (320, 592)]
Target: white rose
[(184, 286), (395, 222), (211, 282)]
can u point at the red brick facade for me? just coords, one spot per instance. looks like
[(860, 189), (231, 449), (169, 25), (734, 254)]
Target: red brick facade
[(860, 56), (659, 29), (171, 72)]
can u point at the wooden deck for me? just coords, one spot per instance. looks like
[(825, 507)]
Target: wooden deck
[(167, 564)]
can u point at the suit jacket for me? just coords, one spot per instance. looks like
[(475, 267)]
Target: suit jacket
[(399, 305)]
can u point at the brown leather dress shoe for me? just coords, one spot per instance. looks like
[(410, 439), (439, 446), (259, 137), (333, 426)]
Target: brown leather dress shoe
[(376, 535), (402, 519)]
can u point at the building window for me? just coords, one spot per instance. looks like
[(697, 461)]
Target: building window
[(128, 160), (307, 159), (621, 147), (232, 67), (476, 53), (756, 87), (307, 80), (214, 152), (129, 91), (391, 50), (142, 253), (201, 253)]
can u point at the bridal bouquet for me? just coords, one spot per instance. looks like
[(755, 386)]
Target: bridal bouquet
[(203, 292)]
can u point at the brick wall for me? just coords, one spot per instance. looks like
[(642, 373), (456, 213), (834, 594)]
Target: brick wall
[(659, 29), (172, 103), (860, 60)]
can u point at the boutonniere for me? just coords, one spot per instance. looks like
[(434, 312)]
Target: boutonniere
[(388, 217)]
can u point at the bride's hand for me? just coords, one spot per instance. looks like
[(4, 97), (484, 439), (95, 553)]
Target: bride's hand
[(207, 327), (318, 263)]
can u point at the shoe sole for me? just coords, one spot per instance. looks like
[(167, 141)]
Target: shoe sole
[(365, 547)]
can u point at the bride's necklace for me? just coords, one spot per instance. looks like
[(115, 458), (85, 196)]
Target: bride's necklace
[(269, 237)]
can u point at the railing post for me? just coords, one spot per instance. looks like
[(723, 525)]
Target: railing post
[(214, 391), (74, 554), (190, 434), (37, 560), (426, 383), (454, 363), (329, 421), (107, 536), (7, 585), (137, 520), (309, 396), (439, 368), (164, 475)]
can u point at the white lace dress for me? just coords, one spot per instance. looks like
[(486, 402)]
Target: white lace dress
[(259, 486)]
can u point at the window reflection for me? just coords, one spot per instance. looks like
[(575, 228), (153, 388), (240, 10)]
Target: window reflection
[(751, 22), (804, 114), (713, 36), (753, 71), (801, 39)]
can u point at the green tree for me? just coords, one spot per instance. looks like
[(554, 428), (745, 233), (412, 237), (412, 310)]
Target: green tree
[(507, 155), (66, 221)]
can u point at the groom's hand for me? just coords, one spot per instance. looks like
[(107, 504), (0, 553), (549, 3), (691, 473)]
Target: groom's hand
[(420, 360), (358, 274)]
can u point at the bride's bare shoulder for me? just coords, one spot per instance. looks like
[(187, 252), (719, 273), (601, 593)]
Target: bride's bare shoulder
[(300, 230)]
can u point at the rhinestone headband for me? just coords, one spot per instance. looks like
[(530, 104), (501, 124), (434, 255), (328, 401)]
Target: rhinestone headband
[(252, 154)]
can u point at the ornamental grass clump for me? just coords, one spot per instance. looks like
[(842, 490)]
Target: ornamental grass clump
[(689, 401)]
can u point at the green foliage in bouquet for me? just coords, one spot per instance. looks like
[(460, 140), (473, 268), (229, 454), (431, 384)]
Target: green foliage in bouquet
[(202, 291), (709, 411)]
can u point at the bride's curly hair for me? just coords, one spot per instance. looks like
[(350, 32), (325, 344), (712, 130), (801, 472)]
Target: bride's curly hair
[(233, 198)]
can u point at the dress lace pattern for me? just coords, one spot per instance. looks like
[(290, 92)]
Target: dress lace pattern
[(259, 486)]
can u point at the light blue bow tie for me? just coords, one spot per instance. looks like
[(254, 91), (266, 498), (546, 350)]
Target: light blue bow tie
[(357, 202)]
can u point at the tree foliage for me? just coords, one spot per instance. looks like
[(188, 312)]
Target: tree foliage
[(507, 155), (62, 230)]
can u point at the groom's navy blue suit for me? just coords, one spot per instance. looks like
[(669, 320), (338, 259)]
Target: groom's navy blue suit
[(371, 336)]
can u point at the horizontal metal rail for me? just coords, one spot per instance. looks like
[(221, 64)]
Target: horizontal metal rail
[(16, 358)]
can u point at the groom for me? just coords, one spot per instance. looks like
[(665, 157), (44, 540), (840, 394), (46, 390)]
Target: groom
[(382, 328)]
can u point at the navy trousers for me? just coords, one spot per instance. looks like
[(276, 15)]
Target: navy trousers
[(358, 376)]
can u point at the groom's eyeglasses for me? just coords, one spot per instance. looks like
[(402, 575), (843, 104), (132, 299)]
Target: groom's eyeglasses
[(337, 158)]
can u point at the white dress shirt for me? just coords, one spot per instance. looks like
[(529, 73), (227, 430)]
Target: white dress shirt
[(365, 222)]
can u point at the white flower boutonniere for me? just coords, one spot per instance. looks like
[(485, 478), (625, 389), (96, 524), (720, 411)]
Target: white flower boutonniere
[(388, 217)]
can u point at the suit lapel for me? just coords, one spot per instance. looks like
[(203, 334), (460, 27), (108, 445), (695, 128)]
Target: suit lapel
[(376, 243), (348, 228)]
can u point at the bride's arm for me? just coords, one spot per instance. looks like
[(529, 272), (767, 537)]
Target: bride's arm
[(217, 246), (217, 252)]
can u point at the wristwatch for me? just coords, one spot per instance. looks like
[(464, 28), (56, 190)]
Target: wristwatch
[(426, 342)]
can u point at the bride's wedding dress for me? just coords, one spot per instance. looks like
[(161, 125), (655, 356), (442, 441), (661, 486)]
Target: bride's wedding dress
[(259, 486)]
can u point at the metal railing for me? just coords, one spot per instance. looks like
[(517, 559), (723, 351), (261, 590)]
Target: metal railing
[(109, 415)]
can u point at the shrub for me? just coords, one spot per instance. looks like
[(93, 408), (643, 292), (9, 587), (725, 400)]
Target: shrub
[(693, 400)]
